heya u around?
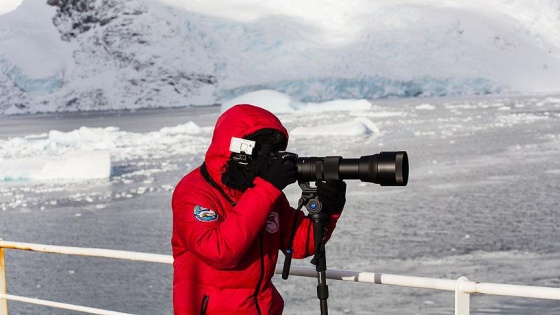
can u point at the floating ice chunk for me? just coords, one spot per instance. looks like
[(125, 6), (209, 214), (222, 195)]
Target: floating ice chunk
[(281, 103), (96, 138), (71, 166), (273, 101), (425, 107), (357, 127), (188, 128)]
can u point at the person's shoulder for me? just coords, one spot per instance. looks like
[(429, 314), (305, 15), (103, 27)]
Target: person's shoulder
[(192, 175), (191, 180), (194, 188)]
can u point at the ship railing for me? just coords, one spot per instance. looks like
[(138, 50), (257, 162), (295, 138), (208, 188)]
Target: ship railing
[(462, 286)]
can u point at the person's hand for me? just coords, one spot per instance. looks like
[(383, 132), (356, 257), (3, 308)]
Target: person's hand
[(279, 172), (332, 195)]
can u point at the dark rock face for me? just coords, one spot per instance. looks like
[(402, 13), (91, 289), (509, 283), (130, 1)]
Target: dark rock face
[(75, 17), (124, 55)]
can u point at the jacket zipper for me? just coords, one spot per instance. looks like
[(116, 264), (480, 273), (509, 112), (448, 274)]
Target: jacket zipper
[(204, 305), (257, 289)]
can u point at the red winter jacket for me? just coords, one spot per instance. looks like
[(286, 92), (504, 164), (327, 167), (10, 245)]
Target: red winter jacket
[(225, 255)]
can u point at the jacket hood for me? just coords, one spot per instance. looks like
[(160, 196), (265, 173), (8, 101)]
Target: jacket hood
[(238, 121)]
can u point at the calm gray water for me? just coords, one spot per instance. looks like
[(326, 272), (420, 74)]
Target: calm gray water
[(482, 202)]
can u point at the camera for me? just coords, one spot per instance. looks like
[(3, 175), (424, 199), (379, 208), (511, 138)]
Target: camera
[(384, 168)]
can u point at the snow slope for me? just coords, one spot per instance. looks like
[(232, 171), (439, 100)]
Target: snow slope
[(114, 54)]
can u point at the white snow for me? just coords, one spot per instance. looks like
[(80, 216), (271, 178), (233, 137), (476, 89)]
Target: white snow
[(312, 51)]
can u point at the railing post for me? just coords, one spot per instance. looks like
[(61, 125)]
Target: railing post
[(3, 302), (462, 300)]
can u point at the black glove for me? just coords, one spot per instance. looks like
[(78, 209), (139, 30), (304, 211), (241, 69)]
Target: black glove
[(332, 194), (279, 172)]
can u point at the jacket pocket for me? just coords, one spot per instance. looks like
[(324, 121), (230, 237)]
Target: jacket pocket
[(204, 304)]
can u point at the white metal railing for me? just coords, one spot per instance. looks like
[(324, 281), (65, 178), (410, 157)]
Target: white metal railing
[(462, 286)]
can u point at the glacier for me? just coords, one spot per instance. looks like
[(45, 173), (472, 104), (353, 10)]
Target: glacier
[(324, 89), (31, 85), (114, 54)]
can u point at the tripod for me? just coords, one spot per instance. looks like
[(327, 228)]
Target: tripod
[(314, 206)]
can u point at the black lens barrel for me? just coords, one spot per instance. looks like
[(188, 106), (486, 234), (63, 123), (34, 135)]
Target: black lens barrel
[(385, 168)]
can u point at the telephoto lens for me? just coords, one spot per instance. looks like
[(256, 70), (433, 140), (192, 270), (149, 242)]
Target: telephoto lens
[(385, 168)]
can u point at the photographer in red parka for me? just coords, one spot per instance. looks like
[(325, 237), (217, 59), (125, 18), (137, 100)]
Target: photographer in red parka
[(231, 218)]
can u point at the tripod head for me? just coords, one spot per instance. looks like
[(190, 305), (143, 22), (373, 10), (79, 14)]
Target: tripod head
[(309, 198)]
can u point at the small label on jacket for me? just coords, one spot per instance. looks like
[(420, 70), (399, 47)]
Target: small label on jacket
[(204, 214)]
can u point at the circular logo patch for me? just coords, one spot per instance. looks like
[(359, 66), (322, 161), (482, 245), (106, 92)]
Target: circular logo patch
[(273, 222), (204, 214)]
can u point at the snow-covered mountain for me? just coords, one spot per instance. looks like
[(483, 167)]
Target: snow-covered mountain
[(112, 54)]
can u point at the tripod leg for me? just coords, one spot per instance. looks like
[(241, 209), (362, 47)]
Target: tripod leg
[(320, 260)]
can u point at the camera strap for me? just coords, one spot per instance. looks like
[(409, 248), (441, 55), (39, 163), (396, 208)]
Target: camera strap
[(212, 183)]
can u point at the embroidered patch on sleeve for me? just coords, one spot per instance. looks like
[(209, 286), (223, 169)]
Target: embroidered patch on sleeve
[(204, 214)]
